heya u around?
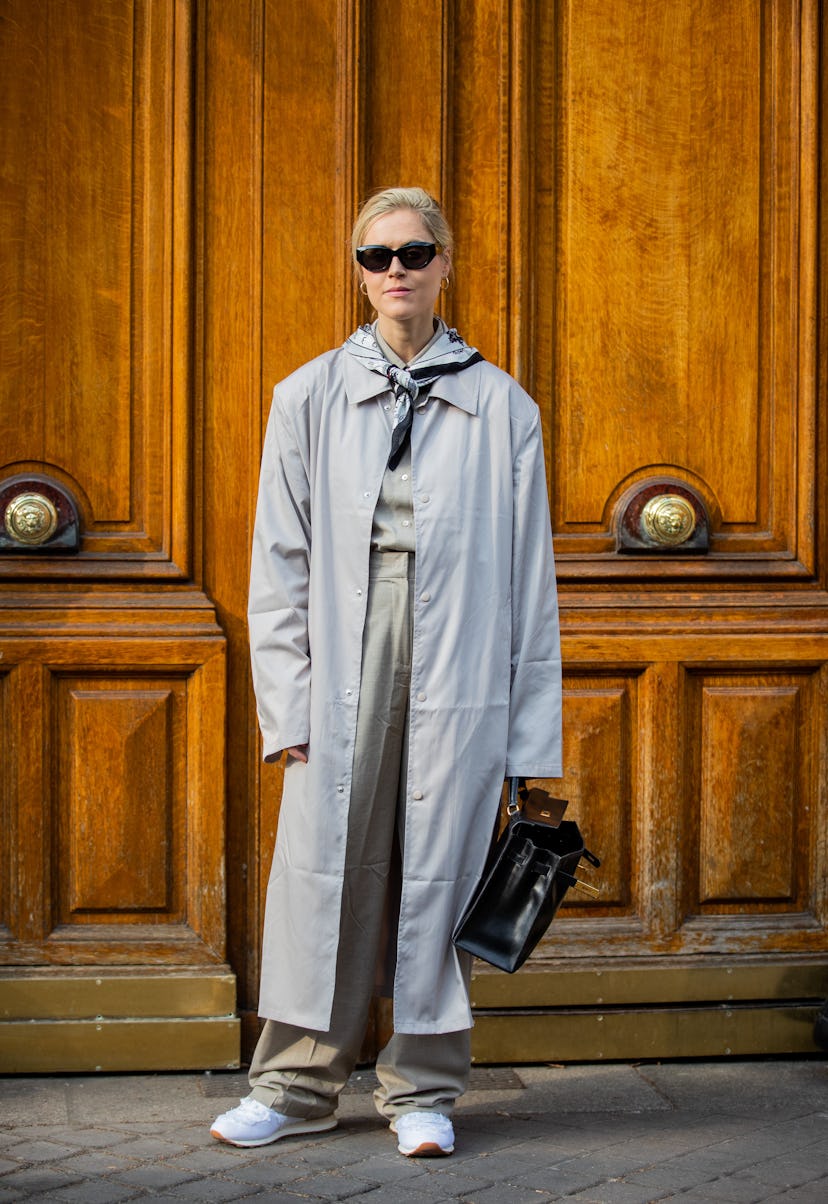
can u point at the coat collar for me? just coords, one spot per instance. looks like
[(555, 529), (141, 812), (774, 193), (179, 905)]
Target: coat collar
[(457, 388)]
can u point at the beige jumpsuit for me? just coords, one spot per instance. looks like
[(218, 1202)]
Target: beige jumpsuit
[(301, 1072)]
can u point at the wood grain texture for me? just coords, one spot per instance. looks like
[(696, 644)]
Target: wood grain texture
[(600, 771), (7, 811), (684, 300), (120, 825), (754, 792), (95, 239), (634, 192), (116, 821)]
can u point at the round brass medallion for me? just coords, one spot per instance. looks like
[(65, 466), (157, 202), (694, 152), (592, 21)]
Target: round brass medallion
[(668, 519), (31, 518)]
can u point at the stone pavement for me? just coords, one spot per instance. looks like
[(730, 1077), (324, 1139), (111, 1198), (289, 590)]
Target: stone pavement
[(745, 1131)]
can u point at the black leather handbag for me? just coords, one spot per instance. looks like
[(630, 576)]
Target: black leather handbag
[(531, 865)]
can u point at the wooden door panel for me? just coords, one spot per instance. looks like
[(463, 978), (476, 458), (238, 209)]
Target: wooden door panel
[(118, 858), (120, 778), (684, 236), (748, 812), (600, 731), (7, 794), (95, 232), (296, 114), (755, 795), (113, 693)]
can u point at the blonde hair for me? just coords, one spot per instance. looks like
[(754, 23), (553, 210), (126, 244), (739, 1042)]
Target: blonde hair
[(390, 199)]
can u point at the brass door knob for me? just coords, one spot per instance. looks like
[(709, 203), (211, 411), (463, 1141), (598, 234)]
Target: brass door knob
[(668, 519), (31, 519)]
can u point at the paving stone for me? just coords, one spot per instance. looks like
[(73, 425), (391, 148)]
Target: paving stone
[(612, 1163), (619, 1191), (455, 1183), (741, 1188), (673, 1176), (333, 1186), (99, 1191), (792, 1170), (94, 1163), (560, 1180), (425, 1190), (37, 1179), (415, 1193), (670, 1143), (505, 1193), (149, 1147), (268, 1174), (212, 1190), (43, 1151), (389, 1168), (157, 1178), (711, 1161), (323, 1155), (218, 1159), (86, 1138), (9, 1138), (808, 1193)]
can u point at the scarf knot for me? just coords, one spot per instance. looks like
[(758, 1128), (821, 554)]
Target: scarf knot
[(447, 354)]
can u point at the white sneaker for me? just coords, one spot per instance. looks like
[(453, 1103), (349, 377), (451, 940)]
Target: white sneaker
[(424, 1134), (252, 1123)]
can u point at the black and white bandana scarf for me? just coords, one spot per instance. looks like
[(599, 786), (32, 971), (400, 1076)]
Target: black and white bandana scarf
[(448, 353)]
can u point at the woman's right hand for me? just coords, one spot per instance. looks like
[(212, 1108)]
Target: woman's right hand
[(299, 752)]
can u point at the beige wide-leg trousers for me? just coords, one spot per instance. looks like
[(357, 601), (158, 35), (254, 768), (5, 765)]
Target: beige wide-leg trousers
[(301, 1072)]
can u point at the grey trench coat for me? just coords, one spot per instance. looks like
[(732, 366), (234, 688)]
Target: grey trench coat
[(486, 670)]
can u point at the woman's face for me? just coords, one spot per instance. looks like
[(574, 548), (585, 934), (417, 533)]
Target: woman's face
[(400, 294)]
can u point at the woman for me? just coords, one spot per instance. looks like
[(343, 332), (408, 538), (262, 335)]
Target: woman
[(404, 636)]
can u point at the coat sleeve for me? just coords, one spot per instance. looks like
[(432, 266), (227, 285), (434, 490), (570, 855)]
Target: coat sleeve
[(279, 585), (534, 746)]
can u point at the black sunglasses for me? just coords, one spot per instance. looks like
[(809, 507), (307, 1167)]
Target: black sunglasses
[(412, 255)]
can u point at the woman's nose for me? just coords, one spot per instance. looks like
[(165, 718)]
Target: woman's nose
[(395, 268)]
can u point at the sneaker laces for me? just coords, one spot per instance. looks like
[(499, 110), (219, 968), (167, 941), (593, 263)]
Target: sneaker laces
[(250, 1109), (431, 1120)]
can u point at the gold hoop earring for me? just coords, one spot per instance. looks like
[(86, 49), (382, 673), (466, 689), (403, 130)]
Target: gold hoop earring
[(363, 288), (444, 283)]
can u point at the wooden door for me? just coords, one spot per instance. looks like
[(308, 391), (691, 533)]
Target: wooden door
[(636, 190), (112, 658), (670, 273)]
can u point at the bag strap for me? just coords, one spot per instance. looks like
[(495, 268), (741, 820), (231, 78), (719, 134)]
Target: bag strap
[(513, 806)]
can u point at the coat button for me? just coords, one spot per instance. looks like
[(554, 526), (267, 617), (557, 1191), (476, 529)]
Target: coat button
[(340, 790), (421, 698), (418, 794), (425, 499), (425, 596)]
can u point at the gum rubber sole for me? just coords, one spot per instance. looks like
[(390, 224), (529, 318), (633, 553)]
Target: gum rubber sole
[(427, 1149)]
